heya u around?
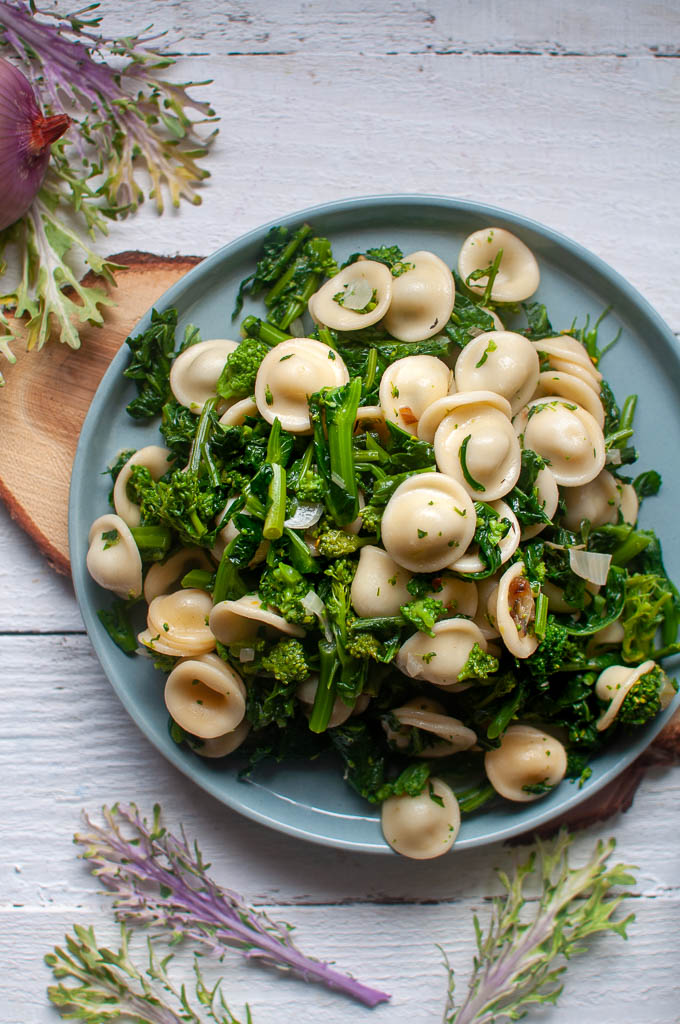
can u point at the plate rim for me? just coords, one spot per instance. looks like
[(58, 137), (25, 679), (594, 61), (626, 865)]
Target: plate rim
[(169, 299)]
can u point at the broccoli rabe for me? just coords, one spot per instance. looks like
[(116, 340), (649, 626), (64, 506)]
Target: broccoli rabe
[(284, 588), (185, 503), (554, 650), (237, 379), (644, 700), (367, 645), (287, 661), (648, 598), (479, 665), (371, 518), (423, 613), (332, 543)]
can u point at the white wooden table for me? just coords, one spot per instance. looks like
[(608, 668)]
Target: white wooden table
[(566, 113)]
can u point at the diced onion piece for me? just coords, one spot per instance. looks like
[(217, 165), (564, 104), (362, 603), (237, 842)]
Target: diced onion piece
[(246, 654), (305, 516), (311, 602), (614, 457), (296, 328), (357, 295), (590, 565)]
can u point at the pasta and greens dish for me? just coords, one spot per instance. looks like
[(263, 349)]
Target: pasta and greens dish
[(386, 525)]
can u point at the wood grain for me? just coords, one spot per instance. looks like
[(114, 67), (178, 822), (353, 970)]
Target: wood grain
[(47, 397)]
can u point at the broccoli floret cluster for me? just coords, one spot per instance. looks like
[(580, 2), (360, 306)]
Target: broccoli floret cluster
[(284, 588), (287, 662), (554, 650), (644, 700), (423, 613), (334, 543), (479, 665), (310, 488), (237, 379)]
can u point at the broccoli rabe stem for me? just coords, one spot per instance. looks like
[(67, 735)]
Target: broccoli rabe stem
[(152, 541), (636, 542), (628, 412), (276, 494), (541, 616), (276, 504), (287, 253), (199, 579), (335, 456), (203, 431), (297, 306), (325, 691), (300, 555), (253, 327), (326, 336), (228, 583)]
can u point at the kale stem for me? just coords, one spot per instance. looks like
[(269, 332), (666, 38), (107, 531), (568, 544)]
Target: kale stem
[(276, 504), (325, 691), (627, 413), (253, 327), (200, 438)]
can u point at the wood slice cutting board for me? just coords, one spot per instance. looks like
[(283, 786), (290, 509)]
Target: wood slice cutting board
[(47, 396), (42, 409)]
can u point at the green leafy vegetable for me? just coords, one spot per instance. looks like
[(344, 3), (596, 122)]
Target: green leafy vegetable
[(518, 962), (237, 379)]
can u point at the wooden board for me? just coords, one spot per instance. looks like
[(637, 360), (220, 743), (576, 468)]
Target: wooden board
[(40, 429)]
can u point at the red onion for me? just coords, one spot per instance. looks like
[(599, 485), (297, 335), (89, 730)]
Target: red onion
[(25, 140)]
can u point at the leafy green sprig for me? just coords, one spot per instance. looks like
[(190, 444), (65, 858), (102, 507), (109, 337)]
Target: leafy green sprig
[(109, 985), (519, 961)]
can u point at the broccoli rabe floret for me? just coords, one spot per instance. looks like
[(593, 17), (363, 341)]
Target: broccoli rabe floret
[(367, 645), (283, 587), (479, 665), (237, 379), (554, 650), (423, 613), (371, 518), (287, 662), (338, 544), (646, 698), (310, 488)]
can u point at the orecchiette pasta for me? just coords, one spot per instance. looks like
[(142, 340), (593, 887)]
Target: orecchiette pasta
[(379, 584), (527, 765), (502, 362), (409, 386), (422, 298), (429, 522), (194, 373), (113, 559), (477, 446), (357, 297), (471, 561), (238, 621), (424, 826), (162, 577), (567, 437), (177, 624), (288, 374), (205, 696), (439, 659), (515, 612), (448, 735), (616, 682), (518, 274)]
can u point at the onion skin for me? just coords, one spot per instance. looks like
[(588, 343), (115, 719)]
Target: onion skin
[(25, 140)]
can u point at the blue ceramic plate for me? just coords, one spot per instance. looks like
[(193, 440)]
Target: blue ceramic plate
[(311, 800)]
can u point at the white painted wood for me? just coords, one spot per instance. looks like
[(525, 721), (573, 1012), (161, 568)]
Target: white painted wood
[(325, 100), (397, 26), (635, 982)]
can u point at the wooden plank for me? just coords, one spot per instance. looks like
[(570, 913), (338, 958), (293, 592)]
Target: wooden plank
[(393, 949), (354, 26)]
